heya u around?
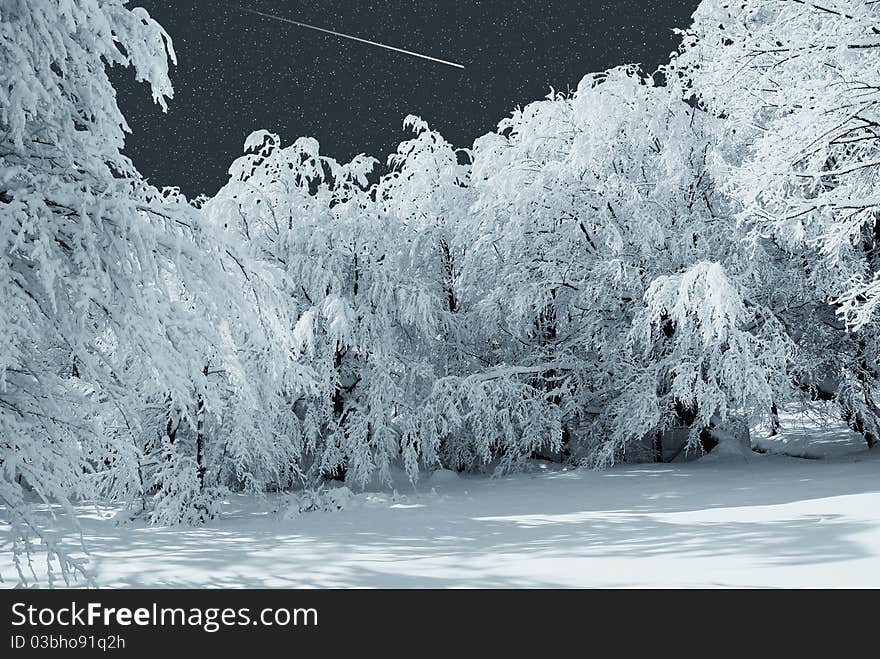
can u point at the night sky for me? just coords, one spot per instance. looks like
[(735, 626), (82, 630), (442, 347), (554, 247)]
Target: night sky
[(238, 72)]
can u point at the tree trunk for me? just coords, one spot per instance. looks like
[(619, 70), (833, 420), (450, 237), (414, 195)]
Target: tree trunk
[(658, 446), (774, 420), (546, 332), (857, 423), (448, 276), (170, 428), (200, 437)]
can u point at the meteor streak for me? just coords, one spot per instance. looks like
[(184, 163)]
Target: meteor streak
[(344, 36)]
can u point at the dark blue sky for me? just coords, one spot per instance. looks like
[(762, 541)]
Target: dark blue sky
[(239, 72)]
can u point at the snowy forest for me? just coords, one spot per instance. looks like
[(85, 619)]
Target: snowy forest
[(658, 258)]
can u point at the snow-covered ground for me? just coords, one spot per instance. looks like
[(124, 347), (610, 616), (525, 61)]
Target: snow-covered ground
[(759, 520)]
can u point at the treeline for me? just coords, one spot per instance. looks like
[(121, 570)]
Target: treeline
[(687, 248)]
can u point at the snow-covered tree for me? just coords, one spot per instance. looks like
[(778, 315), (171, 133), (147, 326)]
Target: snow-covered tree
[(317, 222), (473, 415), (80, 237), (797, 84), (116, 318), (583, 205), (371, 273)]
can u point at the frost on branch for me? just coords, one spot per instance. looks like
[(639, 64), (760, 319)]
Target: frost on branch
[(121, 326), (709, 351), (799, 85)]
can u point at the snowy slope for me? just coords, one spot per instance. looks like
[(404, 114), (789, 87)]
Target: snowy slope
[(770, 521)]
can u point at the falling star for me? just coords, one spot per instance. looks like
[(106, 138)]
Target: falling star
[(344, 36)]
